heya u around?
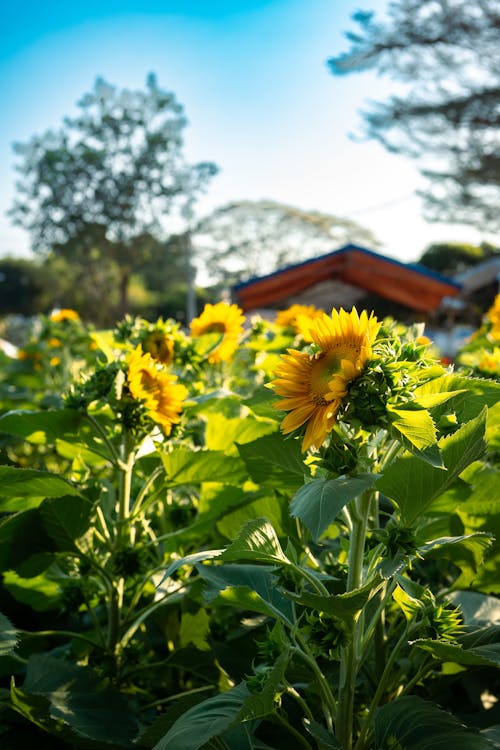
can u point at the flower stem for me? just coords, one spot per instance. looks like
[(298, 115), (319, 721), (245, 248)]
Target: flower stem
[(351, 653)]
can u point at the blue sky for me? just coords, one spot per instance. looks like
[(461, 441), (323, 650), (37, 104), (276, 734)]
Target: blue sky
[(253, 79)]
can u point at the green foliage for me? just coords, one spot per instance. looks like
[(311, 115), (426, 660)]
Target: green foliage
[(124, 152), (211, 586), (452, 125)]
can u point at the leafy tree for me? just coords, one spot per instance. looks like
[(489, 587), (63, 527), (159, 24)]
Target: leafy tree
[(20, 286), (453, 257), (108, 176), (446, 53), (251, 238)]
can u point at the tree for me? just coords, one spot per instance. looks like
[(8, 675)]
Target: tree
[(446, 53), (245, 239), (454, 257), (108, 176)]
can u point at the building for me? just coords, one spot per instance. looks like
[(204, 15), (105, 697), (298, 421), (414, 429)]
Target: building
[(350, 276)]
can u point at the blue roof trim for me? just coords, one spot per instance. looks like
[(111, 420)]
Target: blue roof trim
[(345, 249)]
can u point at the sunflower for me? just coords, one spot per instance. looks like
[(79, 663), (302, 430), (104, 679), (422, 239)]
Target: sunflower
[(161, 346), (493, 315), (157, 389), (298, 317), (57, 316), (220, 318), (313, 385)]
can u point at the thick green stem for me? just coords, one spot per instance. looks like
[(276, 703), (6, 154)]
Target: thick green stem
[(328, 701), (124, 535), (351, 654), (381, 688)]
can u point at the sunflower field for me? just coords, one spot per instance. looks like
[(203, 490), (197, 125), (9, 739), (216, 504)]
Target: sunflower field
[(249, 534)]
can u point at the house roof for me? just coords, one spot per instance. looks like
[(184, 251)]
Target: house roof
[(409, 284)]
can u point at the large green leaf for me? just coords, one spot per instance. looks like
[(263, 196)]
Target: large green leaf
[(222, 433), (411, 723), (256, 542), (22, 536), (470, 395), (275, 460), (41, 427), (8, 636), (252, 587), (319, 502), (205, 721), (184, 466), (63, 697), (482, 656), (66, 519), (16, 483), (414, 485)]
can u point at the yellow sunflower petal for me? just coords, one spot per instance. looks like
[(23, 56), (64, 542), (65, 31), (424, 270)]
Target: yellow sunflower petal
[(312, 387)]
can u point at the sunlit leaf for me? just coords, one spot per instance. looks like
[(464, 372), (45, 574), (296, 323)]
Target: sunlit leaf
[(41, 427), (184, 466), (16, 483), (414, 485), (414, 425)]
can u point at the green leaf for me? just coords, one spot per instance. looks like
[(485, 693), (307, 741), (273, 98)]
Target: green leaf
[(40, 427), (319, 502), (471, 394), (195, 629), (22, 536), (275, 460), (344, 606), (205, 721), (184, 466), (256, 542), (466, 552), (325, 740), (162, 724), (17, 483), (66, 519), (417, 724), (252, 587), (444, 651), (8, 636), (263, 703), (58, 694), (414, 426), (413, 485), (40, 592), (222, 434)]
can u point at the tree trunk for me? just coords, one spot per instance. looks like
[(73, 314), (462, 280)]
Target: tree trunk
[(124, 281)]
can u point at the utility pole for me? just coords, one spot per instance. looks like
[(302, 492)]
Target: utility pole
[(190, 278)]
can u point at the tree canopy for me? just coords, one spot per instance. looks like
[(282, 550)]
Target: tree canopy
[(453, 257), (252, 238), (108, 176), (446, 55)]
